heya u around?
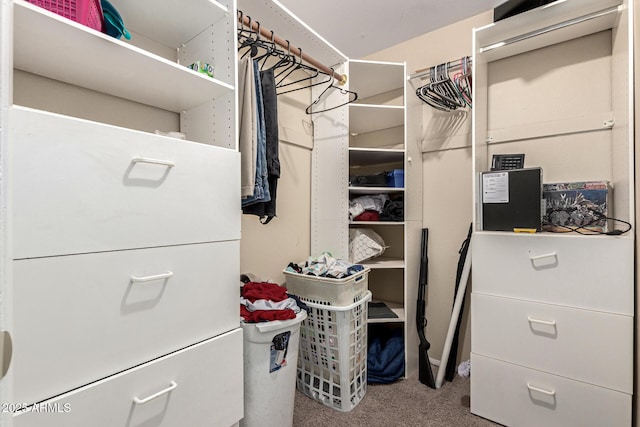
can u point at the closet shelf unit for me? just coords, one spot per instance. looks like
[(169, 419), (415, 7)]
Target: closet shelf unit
[(535, 295), (79, 121), (115, 67), (377, 144)]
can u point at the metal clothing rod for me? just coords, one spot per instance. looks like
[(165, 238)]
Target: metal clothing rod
[(549, 29), (424, 72), (268, 35)]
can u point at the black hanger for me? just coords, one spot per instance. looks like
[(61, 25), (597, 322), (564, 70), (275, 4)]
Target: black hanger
[(329, 78), (308, 110), (312, 73), (248, 39)]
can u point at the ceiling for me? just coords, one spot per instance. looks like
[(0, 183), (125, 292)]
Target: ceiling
[(358, 28)]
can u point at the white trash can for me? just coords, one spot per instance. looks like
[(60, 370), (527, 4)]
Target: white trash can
[(270, 365)]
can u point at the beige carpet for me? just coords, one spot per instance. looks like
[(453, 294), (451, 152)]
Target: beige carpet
[(404, 403)]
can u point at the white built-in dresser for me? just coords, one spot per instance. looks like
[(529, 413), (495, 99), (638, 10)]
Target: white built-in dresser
[(119, 261), (552, 314)]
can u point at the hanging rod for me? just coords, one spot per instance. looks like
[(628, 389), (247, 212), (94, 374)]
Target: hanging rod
[(424, 72), (549, 29), (267, 34)]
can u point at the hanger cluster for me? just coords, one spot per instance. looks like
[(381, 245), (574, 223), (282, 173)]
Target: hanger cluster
[(447, 93), (290, 72)]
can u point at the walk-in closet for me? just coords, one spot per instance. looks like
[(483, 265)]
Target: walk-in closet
[(281, 213)]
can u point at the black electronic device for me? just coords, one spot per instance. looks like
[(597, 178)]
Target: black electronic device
[(511, 199), (502, 162), (515, 7)]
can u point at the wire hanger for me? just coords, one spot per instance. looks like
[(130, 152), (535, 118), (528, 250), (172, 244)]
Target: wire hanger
[(343, 91)]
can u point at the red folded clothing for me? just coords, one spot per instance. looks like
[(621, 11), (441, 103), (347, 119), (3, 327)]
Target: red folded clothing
[(263, 290), (368, 216), (266, 315)]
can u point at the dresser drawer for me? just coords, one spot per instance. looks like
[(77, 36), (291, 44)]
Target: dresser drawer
[(593, 272), (80, 318), (198, 386), (590, 346), (516, 396), (80, 187)]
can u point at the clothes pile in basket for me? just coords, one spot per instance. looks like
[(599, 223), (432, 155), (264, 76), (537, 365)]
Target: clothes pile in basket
[(264, 301), (326, 266)]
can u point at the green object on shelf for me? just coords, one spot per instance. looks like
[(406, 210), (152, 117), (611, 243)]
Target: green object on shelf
[(113, 23)]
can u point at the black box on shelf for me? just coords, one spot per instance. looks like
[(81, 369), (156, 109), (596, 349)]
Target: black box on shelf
[(511, 199), (515, 7)]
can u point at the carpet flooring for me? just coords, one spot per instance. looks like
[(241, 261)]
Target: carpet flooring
[(405, 403)]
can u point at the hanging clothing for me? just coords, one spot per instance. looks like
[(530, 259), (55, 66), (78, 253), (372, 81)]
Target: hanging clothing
[(261, 188), (266, 209), (247, 132)]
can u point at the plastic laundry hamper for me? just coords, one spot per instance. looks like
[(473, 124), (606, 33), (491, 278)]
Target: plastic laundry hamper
[(270, 354), (327, 291), (332, 358)]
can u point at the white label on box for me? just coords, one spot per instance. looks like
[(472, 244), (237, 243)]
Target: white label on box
[(495, 187)]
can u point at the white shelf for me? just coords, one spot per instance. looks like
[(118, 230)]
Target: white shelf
[(170, 22), (396, 308), (514, 35), (386, 223), (58, 48), (375, 190), (373, 156), (370, 78), (384, 263), (365, 118)]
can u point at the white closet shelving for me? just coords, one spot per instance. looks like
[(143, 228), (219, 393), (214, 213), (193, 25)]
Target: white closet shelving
[(538, 299), (120, 250), (377, 135)]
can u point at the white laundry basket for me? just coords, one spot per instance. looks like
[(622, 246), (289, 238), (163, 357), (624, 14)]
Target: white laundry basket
[(332, 364), (270, 356), (328, 291)]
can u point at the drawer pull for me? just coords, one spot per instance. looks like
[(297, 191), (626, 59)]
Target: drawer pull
[(167, 163), (136, 279), (540, 390), (542, 322), (155, 395), (543, 256)]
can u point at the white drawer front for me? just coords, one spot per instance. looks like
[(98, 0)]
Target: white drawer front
[(82, 187), (516, 396), (592, 272), (207, 392), (590, 346), (80, 318)]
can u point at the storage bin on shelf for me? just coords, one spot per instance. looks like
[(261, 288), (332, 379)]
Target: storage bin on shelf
[(395, 178), (85, 12), (327, 291), (332, 356)]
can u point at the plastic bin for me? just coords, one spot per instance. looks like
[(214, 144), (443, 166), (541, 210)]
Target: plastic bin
[(395, 178), (332, 359), (86, 12), (270, 355), (326, 291)]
